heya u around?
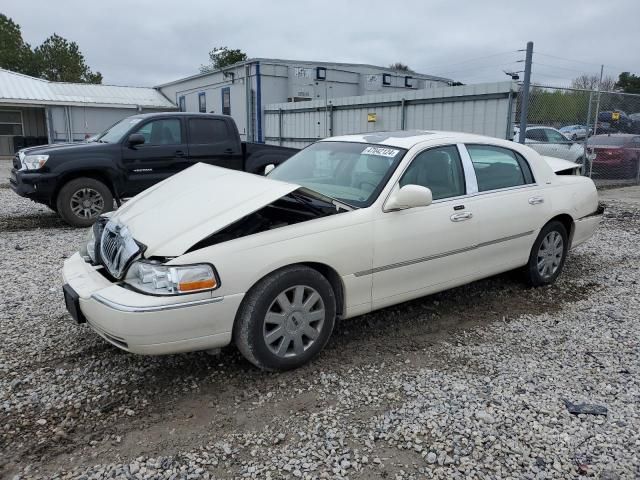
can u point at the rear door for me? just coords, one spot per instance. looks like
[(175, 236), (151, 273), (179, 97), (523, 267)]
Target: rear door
[(163, 153), (510, 207), (213, 141)]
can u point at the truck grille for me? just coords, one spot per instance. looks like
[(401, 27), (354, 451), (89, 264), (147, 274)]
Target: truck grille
[(117, 249)]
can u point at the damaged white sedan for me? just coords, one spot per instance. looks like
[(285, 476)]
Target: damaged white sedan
[(348, 225)]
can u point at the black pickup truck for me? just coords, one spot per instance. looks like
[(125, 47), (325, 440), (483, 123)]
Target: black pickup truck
[(81, 180)]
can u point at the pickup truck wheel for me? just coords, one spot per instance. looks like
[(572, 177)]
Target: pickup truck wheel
[(81, 201), (286, 319), (548, 254)]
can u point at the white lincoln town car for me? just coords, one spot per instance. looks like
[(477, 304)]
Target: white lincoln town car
[(348, 225)]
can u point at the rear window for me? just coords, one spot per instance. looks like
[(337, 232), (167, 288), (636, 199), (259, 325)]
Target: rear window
[(607, 140), (203, 131)]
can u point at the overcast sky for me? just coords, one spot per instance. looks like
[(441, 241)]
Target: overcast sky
[(143, 42)]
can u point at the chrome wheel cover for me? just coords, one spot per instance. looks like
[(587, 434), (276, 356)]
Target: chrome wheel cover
[(294, 321), (550, 254), (87, 203)]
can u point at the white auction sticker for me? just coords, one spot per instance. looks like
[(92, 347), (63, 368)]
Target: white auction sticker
[(380, 151)]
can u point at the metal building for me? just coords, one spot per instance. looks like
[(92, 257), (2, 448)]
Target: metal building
[(34, 111), (244, 89)]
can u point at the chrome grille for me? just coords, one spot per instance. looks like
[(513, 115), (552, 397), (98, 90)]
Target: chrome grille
[(117, 248)]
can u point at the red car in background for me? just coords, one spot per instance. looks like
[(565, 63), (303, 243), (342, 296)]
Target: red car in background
[(617, 155)]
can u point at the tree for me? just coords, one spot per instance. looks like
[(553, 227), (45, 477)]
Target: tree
[(61, 61), (221, 57), (628, 82), (590, 82), (15, 54), (400, 67)]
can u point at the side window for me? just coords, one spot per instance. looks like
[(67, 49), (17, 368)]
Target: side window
[(226, 101), (182, 104), (498, 167), (202, 102), (555, 137), (203, 131), (439, 169), (536, 134), (161, 132)]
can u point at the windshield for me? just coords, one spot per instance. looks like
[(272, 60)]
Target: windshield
[(352, 173), (115, 132)]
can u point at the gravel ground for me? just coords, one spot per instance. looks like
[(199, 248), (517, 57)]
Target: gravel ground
[(469, 383)]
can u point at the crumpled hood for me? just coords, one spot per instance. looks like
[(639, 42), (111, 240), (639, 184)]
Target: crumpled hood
[(180, 211)]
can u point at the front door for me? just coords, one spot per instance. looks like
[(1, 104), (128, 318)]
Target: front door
[(420, 250), (163, 154)]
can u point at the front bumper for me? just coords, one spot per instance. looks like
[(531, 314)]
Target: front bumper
[(147, 324), (35, 186)]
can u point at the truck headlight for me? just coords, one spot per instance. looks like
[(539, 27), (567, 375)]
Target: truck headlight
[(34, 162), (159, 279)]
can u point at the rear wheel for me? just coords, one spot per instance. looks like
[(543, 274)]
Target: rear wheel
[(286, 319), (548, 255), (82, 200)]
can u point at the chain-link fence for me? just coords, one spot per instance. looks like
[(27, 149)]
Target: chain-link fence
[(599, 130)]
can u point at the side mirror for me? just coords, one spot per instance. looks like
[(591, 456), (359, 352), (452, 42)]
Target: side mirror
[(409, 196), (136, 139), (268, 168)]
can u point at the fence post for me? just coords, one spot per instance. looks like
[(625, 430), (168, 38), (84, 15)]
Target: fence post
[(585, 163), (524, 106), (331, 119), (280, 126), (402, 109), (509, 132), (595, 123)]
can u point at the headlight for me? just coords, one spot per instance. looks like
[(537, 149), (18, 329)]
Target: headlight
[(34, 162), (159, 279), (88, 247)]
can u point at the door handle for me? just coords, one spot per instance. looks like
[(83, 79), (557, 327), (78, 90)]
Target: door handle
[(461, 217), (229, 150), (179, 153), (536, 200)]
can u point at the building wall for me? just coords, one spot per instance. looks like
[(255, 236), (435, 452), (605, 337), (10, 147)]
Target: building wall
[(33, 126), (84, 122), (282, 82)]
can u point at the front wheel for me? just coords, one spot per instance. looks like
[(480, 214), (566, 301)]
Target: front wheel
[(82, 200), (548, 255), (286, 319)]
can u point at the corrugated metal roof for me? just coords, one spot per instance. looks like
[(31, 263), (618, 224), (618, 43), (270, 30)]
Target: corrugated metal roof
[(17, 88)]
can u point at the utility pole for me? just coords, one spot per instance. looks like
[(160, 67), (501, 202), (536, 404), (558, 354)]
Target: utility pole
[(524, 106)]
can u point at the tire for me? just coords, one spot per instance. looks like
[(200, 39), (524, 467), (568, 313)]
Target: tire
[(542, 269), (263, 342), (73, 192)]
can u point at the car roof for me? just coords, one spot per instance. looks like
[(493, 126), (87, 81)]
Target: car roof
[(407, 138), (179, 114)]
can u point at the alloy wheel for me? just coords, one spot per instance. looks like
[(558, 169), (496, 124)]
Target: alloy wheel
[(293, 321), (87, 203), (550, 254)]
